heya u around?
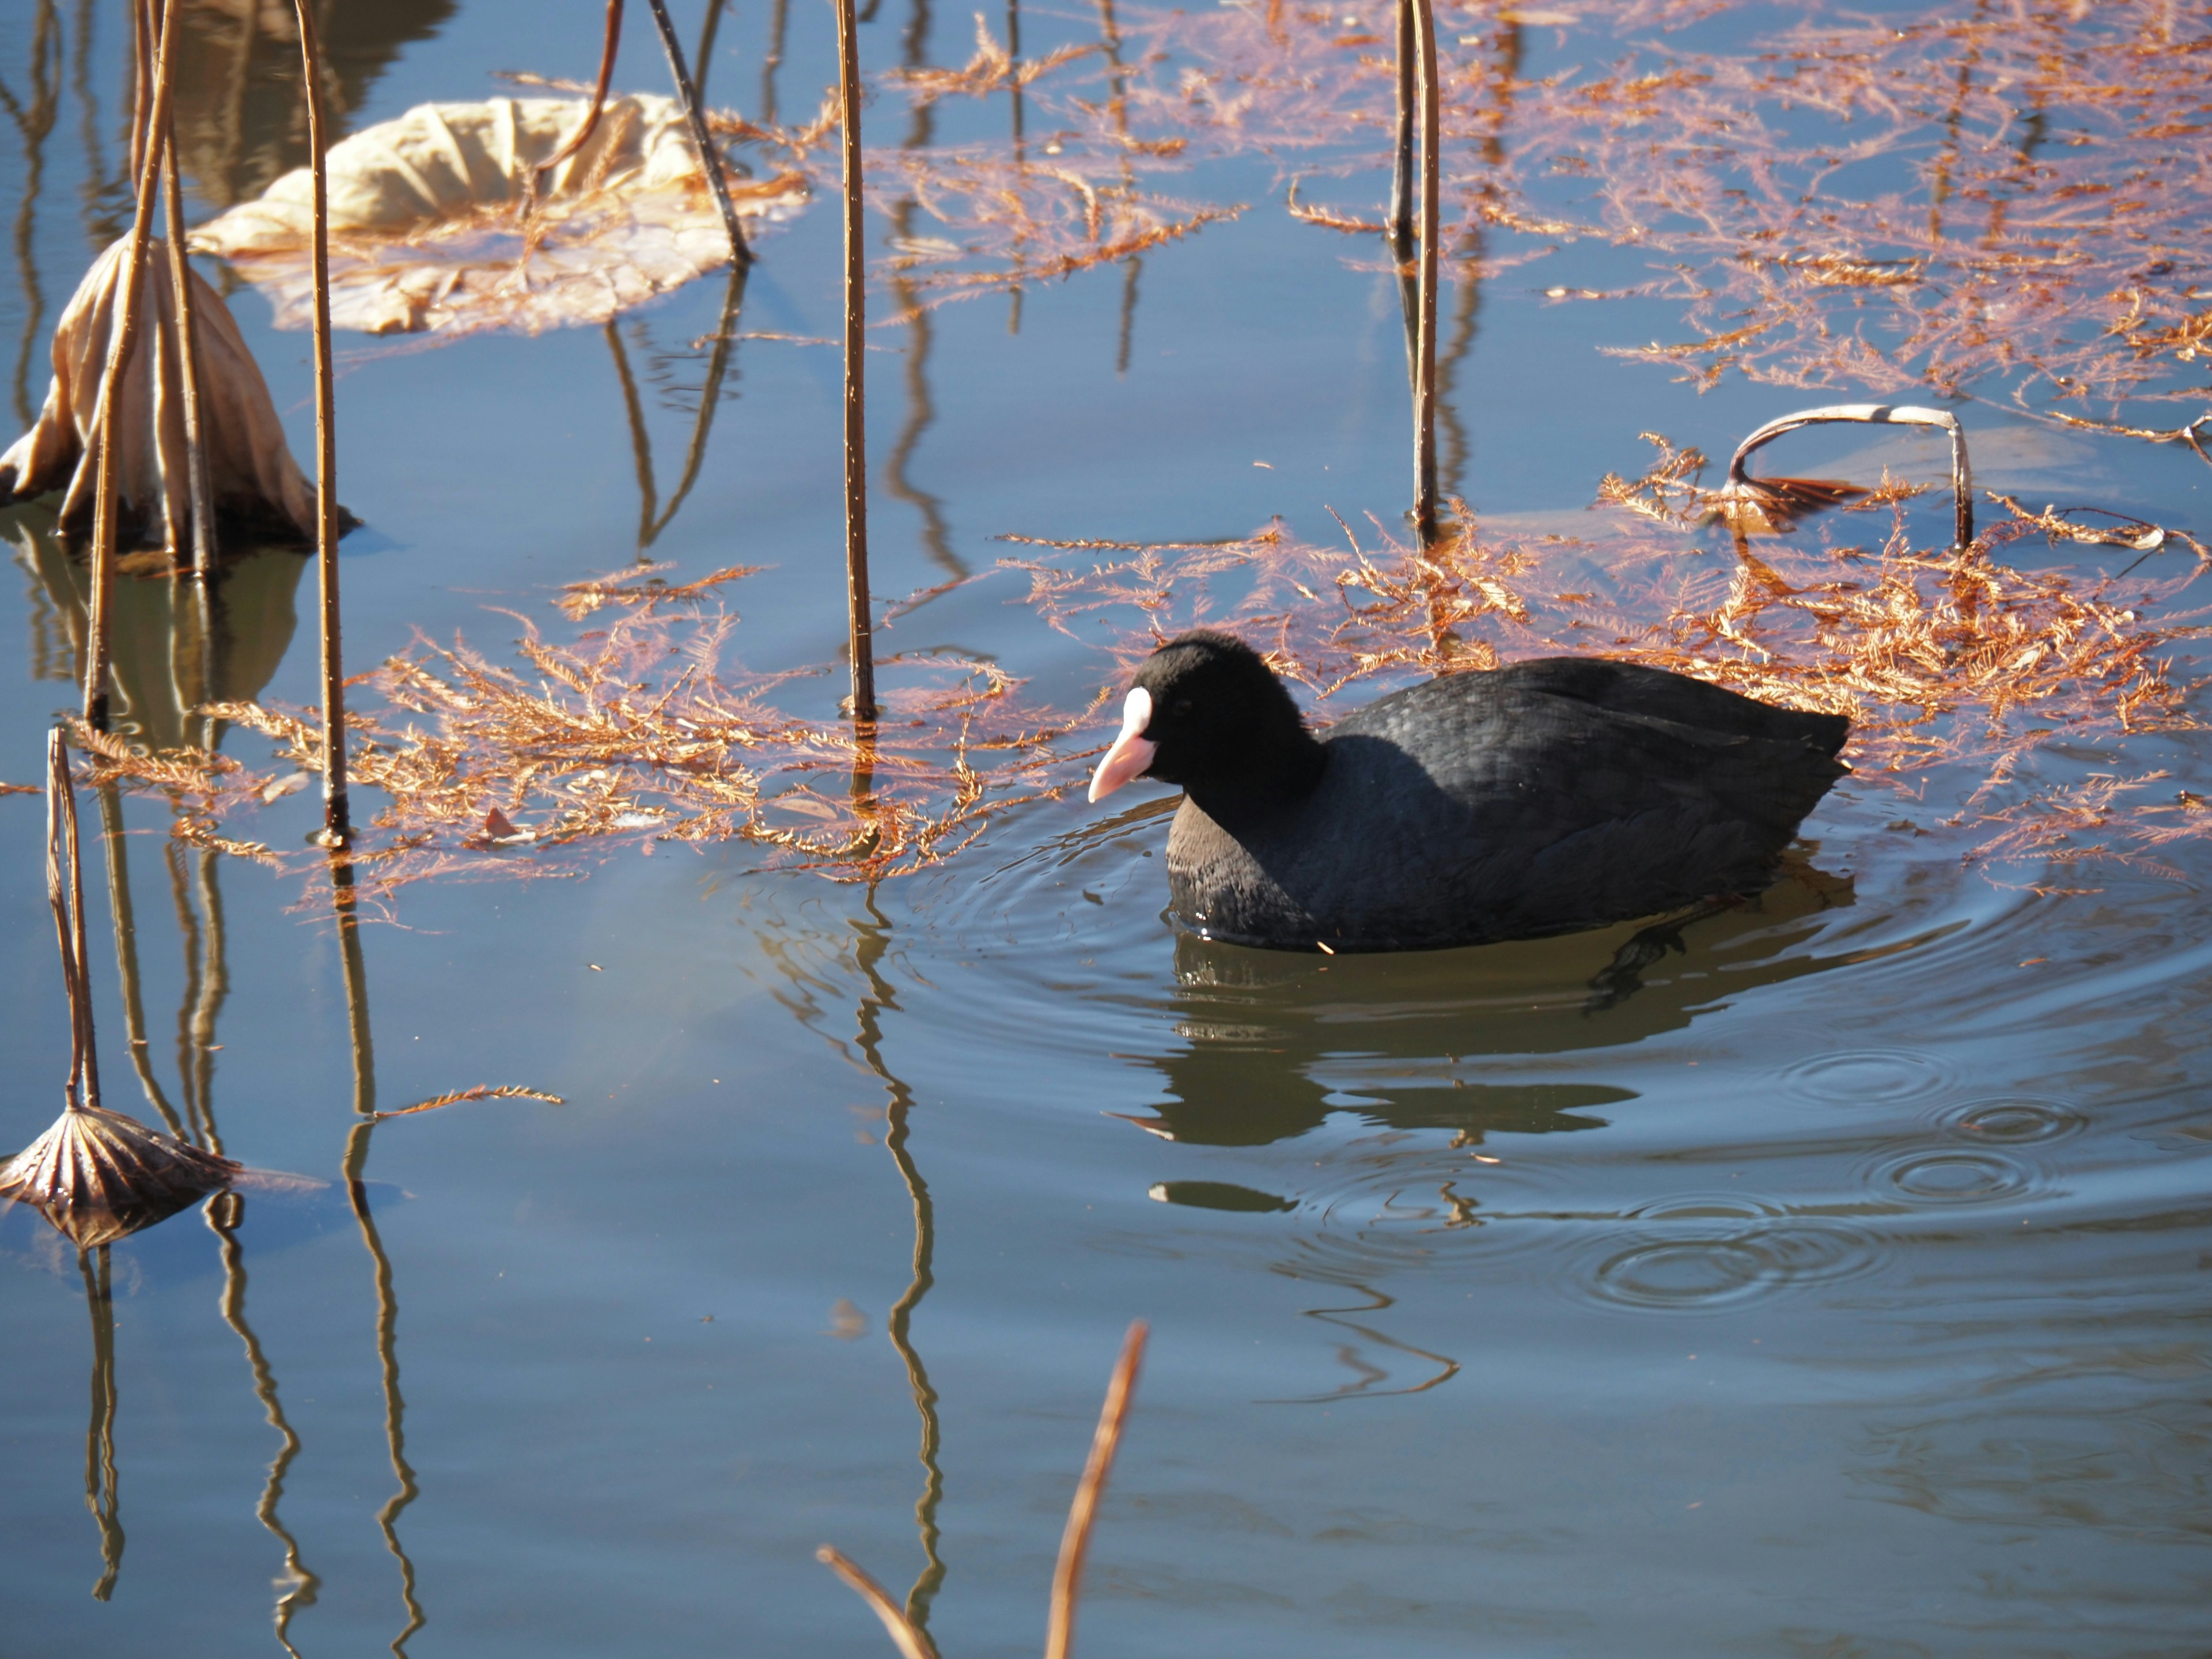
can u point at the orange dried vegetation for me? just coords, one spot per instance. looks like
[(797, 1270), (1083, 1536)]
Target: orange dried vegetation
[(634, 732), (2011, 200)]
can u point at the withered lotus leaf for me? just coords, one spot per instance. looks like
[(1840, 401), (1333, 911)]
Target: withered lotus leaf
[(435, 224), (256, 482), (97, 1175)]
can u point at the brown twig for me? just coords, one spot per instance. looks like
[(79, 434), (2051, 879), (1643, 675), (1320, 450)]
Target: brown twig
[(710, 161), (858, 622), (121, 340), (576, 140), (1075, 1542), (338, 828)]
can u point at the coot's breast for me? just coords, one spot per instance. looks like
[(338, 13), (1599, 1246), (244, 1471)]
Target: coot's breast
[(1487, 806)]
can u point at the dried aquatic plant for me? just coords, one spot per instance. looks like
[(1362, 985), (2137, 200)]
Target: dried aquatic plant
[(257, 485), (96, 1174), (2008, 201), (635, 731), (1950, 663), (1075, 1540)]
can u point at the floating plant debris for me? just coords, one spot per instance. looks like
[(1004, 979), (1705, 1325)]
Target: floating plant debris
[(2013, 202), (430, 230)]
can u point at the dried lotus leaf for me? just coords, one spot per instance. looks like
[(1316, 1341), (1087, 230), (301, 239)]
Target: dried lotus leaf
[(98, 1176), (258, 485), (430, 230)]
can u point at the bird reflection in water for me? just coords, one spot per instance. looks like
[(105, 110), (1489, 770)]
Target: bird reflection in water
[(1277, 1043), (1263, 1026)]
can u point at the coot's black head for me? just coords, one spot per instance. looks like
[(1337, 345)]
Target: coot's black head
[(1205, 712)]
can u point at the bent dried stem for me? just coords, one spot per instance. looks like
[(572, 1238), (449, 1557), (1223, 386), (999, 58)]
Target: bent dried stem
[(579, 138), (1766, 497)]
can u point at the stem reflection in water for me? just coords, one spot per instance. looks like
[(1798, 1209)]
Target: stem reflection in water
[(296, 1588), (651, 520), (33, 116), (100, 1496), (127, 959), (871, 940), (387, 1304)]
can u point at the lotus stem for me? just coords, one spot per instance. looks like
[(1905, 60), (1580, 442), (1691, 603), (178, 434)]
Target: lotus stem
[(1075, 1542), (198, 478), (1402, 174), (1424, 370), (576, 140), (338, 827), (1962, 484), (859, 612), (709, 161), (121, 339)]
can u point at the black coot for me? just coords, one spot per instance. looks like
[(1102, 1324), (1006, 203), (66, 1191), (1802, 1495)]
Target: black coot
[(1554, 794)]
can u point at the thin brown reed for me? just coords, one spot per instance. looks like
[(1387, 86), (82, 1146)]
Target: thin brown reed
[(199, 478), (338, 826), (1075, 1542), (121, 342), (710, 160), (1424, 373), (859, 625)]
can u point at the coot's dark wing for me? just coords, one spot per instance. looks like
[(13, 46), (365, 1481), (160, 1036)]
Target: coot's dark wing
[(1632, 689), (1494, 806)]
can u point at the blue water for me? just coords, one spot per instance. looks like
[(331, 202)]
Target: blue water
[(1838, 1292)]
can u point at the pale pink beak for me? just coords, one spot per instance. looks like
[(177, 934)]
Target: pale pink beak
[(1130, 754)]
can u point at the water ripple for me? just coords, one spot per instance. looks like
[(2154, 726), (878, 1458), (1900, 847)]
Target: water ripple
[(1711, 1269), (1878, 1077)]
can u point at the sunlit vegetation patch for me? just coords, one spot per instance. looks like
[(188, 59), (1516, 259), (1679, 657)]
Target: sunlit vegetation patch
[(1956, 668), (633, 733), (2007, 200)]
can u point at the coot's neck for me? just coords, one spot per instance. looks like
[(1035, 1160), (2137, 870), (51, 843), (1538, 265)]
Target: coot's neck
[(1275, 771)]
